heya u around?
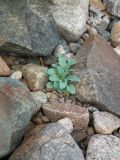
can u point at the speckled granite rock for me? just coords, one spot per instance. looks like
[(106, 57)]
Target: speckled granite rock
[(26, 28), (47, 143)]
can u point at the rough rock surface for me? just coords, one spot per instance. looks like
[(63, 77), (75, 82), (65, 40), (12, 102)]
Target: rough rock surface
[(70, 17), (66, 123), (78, 115), (98, 66), (26, 28), (115, 34), (113, 7), (35, 76), (48, 143), (16, 105), (105, 123), (103, 147)]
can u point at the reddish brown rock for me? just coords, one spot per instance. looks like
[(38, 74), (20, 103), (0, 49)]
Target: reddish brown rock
[(99, 69), (78, 115), (4, 69)]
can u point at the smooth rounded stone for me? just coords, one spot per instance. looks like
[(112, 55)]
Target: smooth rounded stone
[(113, 7), (115, 34), (74, 47), (49, 142), (35, 76), (70, 17), (16, 107), (66, 123), (16, 75), (27, 28), (105, 123), (92, 31), (117, 50), (56, 111), (4, 69), (103, 147)]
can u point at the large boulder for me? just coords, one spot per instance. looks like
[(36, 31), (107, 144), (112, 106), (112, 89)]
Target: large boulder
[(70, 17), (103, 147), (98, 66), (16, 105), (48, 143), (26, 28), (113, 7)]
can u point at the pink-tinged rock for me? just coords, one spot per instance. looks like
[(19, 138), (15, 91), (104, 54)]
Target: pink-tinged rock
[(78, 115), (16, 107), (98, 67), (4, 69)]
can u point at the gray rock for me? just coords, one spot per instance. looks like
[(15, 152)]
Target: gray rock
[(70, 17), (51, 142), (103, 147), (105, 123), (66, 123), (99, 69), (16, 105), (26, 28), (105, 34), (113, 7)]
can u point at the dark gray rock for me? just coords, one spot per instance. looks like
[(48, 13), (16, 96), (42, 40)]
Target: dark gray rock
[(113, 7), (26, 28), (105, 34), (99, 69), (16, 104), (103, 147), (51, 142)]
